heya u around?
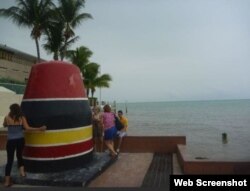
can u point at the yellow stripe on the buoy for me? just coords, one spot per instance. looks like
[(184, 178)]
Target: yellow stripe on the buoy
[(58, 137)]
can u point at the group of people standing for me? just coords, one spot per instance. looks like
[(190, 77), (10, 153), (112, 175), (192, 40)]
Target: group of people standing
[(104, 130)]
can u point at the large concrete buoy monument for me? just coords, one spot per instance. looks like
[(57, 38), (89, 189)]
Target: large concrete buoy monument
[(55, 97)]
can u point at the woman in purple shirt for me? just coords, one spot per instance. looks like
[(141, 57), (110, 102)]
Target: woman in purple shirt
[(108, 125)]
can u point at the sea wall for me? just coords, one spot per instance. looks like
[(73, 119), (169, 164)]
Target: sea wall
[(191, 165), (152, 144), (136, 144), (3, 139)]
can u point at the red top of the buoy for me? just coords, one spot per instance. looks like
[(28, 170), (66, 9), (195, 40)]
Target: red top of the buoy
[(54, 79)]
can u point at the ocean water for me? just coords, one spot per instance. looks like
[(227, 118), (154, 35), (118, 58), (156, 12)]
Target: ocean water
[(202, 122)]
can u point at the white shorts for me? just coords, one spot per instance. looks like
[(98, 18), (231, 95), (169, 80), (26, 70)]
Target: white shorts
[(121, 133)]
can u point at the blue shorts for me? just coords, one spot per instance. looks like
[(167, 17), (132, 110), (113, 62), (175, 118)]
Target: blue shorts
[(110, 133)]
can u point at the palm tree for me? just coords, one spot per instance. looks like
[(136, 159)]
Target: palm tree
[(93, 80), (33, 14), (79, 57), (71, 16), (100, 82), (54, 39)]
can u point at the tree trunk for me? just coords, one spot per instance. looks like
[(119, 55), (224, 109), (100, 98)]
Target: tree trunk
[(55, 56), (38, 50), (92, 93), (63, 53), (87, 92)]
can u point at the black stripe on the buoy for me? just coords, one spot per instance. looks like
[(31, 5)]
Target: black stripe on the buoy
[(62, 114), (58, 165)]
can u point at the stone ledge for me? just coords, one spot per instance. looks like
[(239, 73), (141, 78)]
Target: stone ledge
[(205, 165), (79, 177)]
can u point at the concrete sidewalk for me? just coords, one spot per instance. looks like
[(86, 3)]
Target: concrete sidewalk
[(128, 171)]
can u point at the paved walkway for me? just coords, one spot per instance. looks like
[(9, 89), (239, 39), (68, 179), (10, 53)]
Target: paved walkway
[(159, 172), (128, 171)]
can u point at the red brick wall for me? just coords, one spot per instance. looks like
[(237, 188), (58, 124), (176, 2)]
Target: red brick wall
[(164, 144), (189, 166), (136, 144), (3, 139)]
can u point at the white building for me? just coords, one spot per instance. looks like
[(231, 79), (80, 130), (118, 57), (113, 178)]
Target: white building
[(15, 64)]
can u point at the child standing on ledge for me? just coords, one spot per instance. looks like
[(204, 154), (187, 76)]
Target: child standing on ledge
[(123, 132)]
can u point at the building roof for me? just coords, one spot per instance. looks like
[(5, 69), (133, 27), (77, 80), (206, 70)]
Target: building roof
[(19, 53)]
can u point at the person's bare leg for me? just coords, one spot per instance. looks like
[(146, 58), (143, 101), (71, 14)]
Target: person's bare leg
[(110, 146), (7, 181), (119, 144), (22, 171)]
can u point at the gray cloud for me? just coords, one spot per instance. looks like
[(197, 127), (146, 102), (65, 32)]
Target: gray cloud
[(163, 50)]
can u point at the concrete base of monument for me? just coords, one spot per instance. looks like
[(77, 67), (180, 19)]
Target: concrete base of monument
[(79, 177)]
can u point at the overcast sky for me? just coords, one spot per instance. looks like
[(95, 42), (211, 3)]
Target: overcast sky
[(162, 50)]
